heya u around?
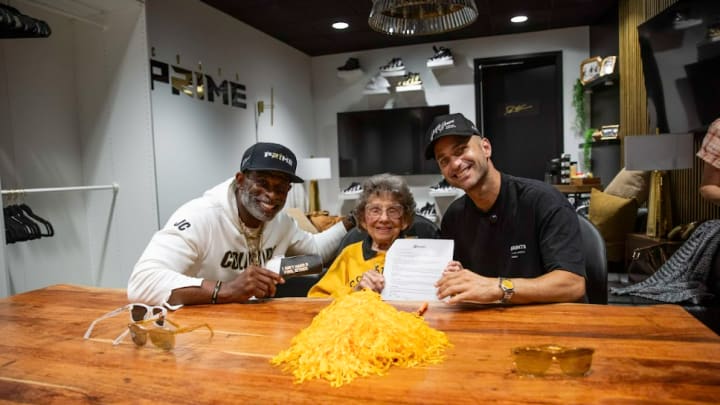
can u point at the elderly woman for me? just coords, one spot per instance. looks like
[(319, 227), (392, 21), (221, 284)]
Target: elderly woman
[(385, 210)]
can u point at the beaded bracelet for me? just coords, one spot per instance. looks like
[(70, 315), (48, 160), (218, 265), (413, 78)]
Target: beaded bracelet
[(213, 299)]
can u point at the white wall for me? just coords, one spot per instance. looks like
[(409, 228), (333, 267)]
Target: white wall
[(75, 112), (75, 109), (116, 128), (453, 86), (199, 143)]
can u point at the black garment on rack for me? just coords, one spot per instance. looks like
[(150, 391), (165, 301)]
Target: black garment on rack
[(22, 224), (14, 24), (49, 231)]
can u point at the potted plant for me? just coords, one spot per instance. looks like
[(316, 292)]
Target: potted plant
[(578, 102), (587, 149)]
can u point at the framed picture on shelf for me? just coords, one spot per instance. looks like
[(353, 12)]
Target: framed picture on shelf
[(608, 66), (590, 69), (597, 135), (609, 131)]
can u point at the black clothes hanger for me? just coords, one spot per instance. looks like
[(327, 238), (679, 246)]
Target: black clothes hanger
[(34, 227), (12, 230), (32, 230), (15, 230), (29, 212), (14, 24), (22, 224)]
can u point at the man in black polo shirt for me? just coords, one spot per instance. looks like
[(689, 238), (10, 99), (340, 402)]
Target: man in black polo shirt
[(516, 239)]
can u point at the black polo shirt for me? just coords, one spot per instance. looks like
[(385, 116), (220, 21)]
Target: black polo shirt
[(530, 230)]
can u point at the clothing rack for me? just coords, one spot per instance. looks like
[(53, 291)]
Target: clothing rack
[(14, 24), (115, 187), (58, 11)]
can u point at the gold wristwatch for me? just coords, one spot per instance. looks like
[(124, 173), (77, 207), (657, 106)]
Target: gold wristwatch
[(508, 289)]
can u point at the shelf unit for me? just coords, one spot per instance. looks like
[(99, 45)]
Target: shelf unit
[(395, 73), (350, 75), (605, 158), (606, 80), (442, 65), (453, 193), (415, 87), (346, 196), (374, 92), (604, 93), (393, 79)]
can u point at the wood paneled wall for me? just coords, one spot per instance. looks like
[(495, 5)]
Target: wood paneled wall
[(633, 98), (687, 205)]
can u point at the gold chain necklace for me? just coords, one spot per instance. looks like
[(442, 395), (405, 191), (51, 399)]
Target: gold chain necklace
[(253, 238)]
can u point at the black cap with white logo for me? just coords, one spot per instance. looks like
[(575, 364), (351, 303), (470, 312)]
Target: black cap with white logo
[(265, 156), (449, 124)]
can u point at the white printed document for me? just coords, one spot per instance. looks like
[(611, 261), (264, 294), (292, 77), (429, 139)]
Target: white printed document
[(413, 266)]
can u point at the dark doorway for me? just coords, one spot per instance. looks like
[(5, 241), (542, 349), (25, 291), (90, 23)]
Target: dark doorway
[(519, 108)]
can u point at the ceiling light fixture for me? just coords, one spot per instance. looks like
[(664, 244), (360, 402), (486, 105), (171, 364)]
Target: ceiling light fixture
[(519, 19), (340, 25), (421, 17)]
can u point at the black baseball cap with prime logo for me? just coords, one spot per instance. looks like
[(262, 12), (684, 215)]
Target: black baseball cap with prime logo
[(266, 156), (449, 124)]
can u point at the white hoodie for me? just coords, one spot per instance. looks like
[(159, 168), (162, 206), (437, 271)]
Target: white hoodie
[(202, 240)]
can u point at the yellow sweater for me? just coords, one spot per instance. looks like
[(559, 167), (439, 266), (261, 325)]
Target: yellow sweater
[(346, 271)]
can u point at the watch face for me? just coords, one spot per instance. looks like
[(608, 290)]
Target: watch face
[(507, 284)]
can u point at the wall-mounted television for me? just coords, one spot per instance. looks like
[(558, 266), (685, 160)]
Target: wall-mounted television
[(386, 141), (681, 61)]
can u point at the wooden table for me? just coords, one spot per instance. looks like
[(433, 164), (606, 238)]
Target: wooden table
[(656, 354)]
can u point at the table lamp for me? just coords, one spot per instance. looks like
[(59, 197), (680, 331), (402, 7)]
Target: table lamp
[(313, 169), (659, 153)]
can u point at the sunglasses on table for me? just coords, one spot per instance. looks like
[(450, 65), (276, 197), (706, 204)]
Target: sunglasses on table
[(161, 336), (536, 360), (138, 312)]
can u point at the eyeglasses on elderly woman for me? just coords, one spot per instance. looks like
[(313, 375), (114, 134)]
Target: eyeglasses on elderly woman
[(393, 212)]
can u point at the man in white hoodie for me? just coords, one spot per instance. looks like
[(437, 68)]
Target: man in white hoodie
[(214, 249)]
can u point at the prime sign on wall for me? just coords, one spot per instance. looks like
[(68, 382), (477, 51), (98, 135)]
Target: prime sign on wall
[(197, 84)]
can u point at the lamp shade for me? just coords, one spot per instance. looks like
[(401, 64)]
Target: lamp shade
[(314, 168), (659, 152), (421, 17)]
